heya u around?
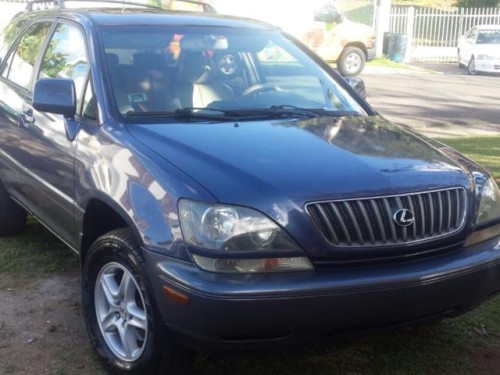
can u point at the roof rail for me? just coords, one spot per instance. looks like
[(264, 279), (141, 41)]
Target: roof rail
[(60, 4), (207, 8)]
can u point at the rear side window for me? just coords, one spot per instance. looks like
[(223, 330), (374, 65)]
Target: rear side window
[(9, 36), (19, 67)]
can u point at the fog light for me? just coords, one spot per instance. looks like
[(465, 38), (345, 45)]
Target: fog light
[(483, 235)]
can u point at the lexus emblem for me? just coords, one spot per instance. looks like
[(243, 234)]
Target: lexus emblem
[(404, 217)]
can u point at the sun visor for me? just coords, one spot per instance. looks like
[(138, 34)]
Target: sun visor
[(234, 42), (247, 43)]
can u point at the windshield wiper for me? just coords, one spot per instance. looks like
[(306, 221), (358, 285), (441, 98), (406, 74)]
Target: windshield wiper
[(274, 111), (184, 113), (287, 111)]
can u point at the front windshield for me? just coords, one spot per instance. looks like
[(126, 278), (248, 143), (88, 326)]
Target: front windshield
[(159, 70), (488, 37)]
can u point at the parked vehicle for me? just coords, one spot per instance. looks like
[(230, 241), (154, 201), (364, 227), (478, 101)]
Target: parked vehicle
[(318, 24), (226, 188), (479, 49)]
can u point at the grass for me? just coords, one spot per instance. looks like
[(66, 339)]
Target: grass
[(386, 62), (484, 150), (443, 348), (37, 251)]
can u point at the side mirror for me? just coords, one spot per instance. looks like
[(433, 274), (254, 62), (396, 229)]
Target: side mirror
[(55, 95), (358, 85)]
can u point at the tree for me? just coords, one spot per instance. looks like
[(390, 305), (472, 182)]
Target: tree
[(477, 3)]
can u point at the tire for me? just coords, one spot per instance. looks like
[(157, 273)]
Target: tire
[(471, 67), (115, 263), (12, 216), (351, 62)]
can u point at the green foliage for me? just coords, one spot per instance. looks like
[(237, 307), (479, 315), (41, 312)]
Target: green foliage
[(484, 150), (156, 3), (477, 3), (12, 31), (28, 48), (54, 62)]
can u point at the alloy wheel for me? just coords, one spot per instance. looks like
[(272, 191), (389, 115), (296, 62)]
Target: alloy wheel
[(121, 312)]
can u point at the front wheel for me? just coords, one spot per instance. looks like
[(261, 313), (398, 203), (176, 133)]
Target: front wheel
[(351, 62), (471, 67), (123, 323)]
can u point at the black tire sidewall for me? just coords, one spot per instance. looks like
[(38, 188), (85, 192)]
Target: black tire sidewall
[(12, 216), (159, 342), (474, 72)]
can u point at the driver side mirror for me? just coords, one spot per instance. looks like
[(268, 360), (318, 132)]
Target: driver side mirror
[(358, 85), (55, 95)]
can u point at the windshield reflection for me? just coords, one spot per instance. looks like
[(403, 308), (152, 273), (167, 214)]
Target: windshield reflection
[(156, 70)]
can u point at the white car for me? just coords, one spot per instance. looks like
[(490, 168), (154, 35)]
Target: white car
[(479, 49)]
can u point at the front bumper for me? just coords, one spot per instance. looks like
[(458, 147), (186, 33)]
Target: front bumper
[(238, 311), (488, 66), (370, 53)]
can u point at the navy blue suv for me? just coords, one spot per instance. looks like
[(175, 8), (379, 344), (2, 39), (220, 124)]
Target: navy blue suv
[(224, 187)]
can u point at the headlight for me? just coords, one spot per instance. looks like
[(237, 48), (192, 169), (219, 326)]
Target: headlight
[(489, 208), (222, 231), (485, 57), (489, 212)]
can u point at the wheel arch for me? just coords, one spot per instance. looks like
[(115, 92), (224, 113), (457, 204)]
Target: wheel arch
[(359, 45), (100, 217)]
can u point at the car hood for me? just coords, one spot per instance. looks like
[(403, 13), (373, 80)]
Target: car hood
[(260, 163)]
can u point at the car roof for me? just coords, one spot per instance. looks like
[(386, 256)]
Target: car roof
[(145, 16)]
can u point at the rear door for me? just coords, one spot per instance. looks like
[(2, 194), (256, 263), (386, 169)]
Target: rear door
[(47, 153)]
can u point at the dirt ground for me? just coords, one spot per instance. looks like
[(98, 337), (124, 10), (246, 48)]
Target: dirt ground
[(41, 327)]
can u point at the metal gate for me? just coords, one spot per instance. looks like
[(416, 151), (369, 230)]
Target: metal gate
[(433, 33)]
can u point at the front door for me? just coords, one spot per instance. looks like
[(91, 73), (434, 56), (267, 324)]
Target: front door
[(48, 154)]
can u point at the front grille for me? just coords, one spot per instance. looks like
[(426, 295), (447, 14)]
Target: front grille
[(370, 221)]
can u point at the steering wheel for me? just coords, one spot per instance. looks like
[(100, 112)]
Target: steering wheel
[(260, 88), (228, 65)]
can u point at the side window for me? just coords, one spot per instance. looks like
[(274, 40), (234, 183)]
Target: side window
[(9, 36), (22, 62), (65, 57), (272, 54), (471, 35)]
